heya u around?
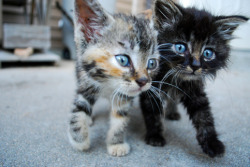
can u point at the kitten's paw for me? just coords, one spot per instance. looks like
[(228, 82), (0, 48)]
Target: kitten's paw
[(174, 116), (214, 148), (91, 122), (155, 140), (118, 149), (79, 131), (80, 146)]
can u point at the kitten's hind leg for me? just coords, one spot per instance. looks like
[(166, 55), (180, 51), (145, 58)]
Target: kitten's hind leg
[(115, 140), (171, 111), (79, 124)]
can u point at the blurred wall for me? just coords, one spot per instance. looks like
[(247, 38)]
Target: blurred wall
[(131, 6), (108, 5)]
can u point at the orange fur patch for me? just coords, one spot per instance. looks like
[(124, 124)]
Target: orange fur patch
[(102, 59), (117, 115), (148, 14)]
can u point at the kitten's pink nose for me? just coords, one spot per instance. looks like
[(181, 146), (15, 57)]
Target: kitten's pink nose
[(142, 81)]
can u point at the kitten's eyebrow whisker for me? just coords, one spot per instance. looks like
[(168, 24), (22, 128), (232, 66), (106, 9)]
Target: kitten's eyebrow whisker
[(164, 44), (165, 49)]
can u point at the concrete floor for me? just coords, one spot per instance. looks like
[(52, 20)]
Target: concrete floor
[(34, 108)]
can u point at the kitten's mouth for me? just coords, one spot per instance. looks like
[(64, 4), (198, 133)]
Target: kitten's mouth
[(191, 73), (194, 75), (136, 91)]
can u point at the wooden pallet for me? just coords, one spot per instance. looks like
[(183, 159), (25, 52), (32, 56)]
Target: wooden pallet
[(48, 57)]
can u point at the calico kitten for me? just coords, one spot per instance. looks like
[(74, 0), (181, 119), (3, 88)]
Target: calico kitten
[(116, 59), (193, 45)]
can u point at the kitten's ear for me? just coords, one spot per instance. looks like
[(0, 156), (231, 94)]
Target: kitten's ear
[(90, 19), (228, 24), (166, 13)]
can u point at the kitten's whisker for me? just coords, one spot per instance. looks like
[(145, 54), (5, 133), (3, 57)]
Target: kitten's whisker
[(113, 98), (166, 76), (156, 94), (165, 58), (165, 83), (160, 91), (177, 77), (152, 95), (150, 100), (118, 100)]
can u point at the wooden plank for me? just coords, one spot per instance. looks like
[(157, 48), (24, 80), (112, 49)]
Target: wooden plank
[(16, 35), (37, 57)]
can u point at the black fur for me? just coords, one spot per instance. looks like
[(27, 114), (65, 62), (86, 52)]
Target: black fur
[(199, 29)]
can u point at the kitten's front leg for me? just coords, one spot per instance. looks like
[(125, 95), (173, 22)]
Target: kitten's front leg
[(171, 110), (152, 110), (199, 112), (115, 140), (79, 124)]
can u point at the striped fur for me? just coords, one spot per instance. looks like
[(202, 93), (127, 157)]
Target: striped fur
[(99, 38)]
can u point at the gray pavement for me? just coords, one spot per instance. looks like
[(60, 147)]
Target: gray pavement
[(34, 108)]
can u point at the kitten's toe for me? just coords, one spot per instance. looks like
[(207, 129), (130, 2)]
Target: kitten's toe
[(118, 149), (155, 140), (214, 148), (175, 116)]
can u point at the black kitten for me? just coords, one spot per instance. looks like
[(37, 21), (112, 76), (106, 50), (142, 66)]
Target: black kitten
[(193, 45)]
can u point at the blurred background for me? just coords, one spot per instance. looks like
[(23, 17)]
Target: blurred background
[(37, 88), (42, 30)]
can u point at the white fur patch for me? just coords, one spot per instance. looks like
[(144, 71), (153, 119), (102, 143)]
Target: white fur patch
[(79, 146), (118, 149)]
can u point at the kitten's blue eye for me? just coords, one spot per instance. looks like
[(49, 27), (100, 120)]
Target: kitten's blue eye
[(180, 48), (123, 60), (152, 64), (208, 54)]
